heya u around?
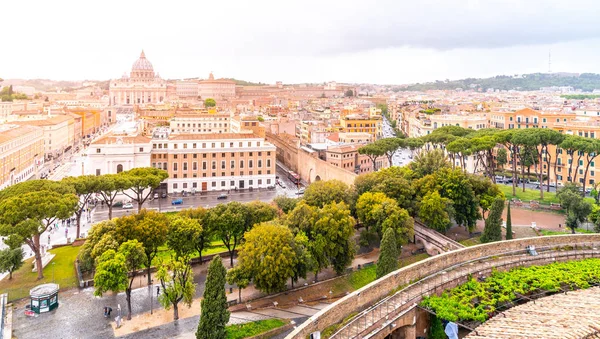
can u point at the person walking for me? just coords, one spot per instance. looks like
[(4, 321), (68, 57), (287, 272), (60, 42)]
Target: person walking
[(66, 232), (48, 239)]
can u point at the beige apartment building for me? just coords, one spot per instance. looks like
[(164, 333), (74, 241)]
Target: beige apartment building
[(21, 153), (58, 133), (200, 123), (348, 158), (217, 161), (5, 111)]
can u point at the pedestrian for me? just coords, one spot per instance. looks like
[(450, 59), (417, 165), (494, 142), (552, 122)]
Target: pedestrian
[(105, 312), (109, 310), (48, 239), (66, 232)]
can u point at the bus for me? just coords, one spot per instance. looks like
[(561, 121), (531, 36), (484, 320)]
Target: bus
[(295, 178)]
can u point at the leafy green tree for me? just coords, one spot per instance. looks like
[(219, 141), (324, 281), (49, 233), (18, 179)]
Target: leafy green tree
[(109, 186), (502, 157), (149, 228), (269, 256), (177, 280), (142, 183), (199, 214), (493, 224), (505, 139), (259, 211), (182, 236), (135, 258), (11, 259), (96, 233), (304, 261), (373, 151), (428, 162), (460, 148), (228, 222), (390, 146), (214, 315), (321, 193), (388, 255), (210, 102), (302, 217), (378, 211), (240, 277), (349, 93), (509, 234), (485, 191), (111, 273), (286, 204), (85, 186), (433, 211), (455, 185), (29, 208)]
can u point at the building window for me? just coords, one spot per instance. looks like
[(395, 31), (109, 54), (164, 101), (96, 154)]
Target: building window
[(174, 166), (241, 163), (185, 185), (97, 171), (175, 186), (222, 164), (214, 183), (268, 162), (195, 166), (194, 145), (250, 163), (214, 165), (97, 150), (174, 156), (185, 166), (259, 163), (232, 183), (175, 146), (232, 163), (260, 181)]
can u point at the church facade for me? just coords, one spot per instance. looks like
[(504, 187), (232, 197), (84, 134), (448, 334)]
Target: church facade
[(142, 86)]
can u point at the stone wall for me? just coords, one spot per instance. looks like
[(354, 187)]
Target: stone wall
[(311, 169), (375, 291)]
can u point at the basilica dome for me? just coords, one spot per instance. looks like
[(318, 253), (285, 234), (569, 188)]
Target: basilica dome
[(142, 64)]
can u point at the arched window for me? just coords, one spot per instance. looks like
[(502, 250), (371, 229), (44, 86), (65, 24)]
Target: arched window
[(119, 168)]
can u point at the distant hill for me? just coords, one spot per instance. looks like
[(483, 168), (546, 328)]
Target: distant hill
[(586, 82), (245, 83)]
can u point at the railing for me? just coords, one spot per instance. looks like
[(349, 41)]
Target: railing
[(445, 242), (391, 308), (444, 267)]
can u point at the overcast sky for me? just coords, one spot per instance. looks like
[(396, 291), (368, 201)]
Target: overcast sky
[(370, 41)]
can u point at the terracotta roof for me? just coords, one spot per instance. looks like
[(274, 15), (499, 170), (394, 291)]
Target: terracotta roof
[(344, 148), (57, 119), (7, 133), (334, 137)]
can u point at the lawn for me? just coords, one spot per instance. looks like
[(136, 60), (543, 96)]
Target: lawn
[(164, 253), (533, 194), (471, 241), (567, 231), (62, 268), (358, 279), (253, 328)]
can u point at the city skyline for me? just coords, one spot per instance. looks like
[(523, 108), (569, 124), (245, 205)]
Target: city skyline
[(387, 43)]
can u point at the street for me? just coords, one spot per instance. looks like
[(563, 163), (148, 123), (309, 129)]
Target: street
[(403, 156)]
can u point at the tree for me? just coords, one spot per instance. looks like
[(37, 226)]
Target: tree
[(505, 138), (149, 228), (576, 207), (111, 273), (455, 185), (428, 162), (240, 277), (320, 193), (304, 261), (372, 151), (286, 204), (493, 224), (27, 209), (501, 157), (388, 255), (214, 315), (183, 235), (228, 222), (85, 186), (177, 280), (142, 183), (509, 234), (210, 102), (109, 186), (485, 191), (259, 211), (301, 218), (592, 150), (11, 259), (349, 93), (199, 214), (135, 258), (378, 211), (433, 211), (390, 146), (268, 255)]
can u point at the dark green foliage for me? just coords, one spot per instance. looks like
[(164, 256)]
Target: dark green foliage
[(436, 329), (388, 255), (508, 224), (214, 315), (493, 224)]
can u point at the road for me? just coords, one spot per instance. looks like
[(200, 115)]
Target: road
[(403, 156)]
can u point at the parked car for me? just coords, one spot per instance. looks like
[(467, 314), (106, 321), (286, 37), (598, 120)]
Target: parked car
[(117, 204), (176, 201), (163, 195), (222, 196), (300, 191), (537, 183), (155, 196), (127, 206)]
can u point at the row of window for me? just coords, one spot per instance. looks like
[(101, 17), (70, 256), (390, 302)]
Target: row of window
[(195, 155), (213, 174), (184, 165), (204, 124), (223, 184), (204, 144)]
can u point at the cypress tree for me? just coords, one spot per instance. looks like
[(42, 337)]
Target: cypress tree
[(493, 224), (214, 315), (388, 255), (508, 223)]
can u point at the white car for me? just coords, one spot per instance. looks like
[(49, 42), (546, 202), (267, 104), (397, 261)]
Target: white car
[(127, 206)]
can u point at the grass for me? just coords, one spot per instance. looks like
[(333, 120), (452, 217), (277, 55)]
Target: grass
[(253, 328), (534, 194), (567, 231), (358, 279), (471, 241), (62, 267), (164, 253)]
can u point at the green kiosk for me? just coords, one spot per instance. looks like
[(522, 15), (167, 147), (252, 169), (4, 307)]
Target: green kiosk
[(44, 298)]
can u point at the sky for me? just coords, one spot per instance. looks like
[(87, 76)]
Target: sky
[(350, 41)]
